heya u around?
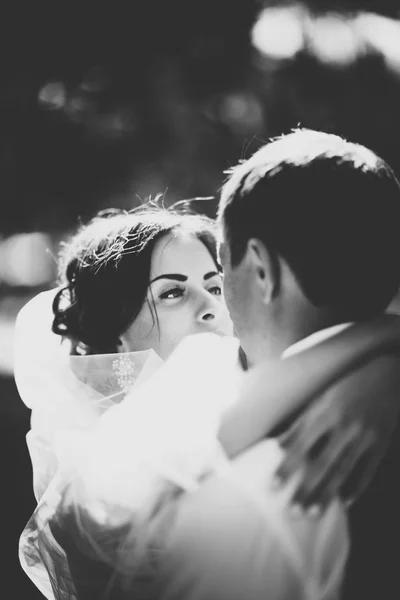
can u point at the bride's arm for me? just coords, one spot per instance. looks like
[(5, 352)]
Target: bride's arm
[(277, 389)]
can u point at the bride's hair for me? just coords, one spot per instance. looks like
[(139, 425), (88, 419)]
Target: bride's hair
[(104, 272)]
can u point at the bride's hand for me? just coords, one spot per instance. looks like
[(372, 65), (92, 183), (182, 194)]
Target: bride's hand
[(336, 445)]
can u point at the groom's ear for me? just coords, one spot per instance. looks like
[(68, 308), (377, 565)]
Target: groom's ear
[(264, 270)]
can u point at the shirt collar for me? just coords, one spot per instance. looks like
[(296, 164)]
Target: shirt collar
[(314, 338)]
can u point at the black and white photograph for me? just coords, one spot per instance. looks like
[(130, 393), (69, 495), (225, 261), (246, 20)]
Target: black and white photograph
[(200, 299)]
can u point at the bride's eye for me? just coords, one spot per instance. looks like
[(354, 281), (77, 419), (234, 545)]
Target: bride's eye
[(172, 293), (216, 290)]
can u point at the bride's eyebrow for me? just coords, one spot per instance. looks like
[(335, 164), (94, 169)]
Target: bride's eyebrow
[(210, 274), (182, 278), (173, 276)]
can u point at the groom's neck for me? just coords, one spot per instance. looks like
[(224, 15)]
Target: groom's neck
[(281, 335), (309, 323)]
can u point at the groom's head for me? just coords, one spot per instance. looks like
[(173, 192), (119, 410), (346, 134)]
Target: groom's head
[(310, 238)]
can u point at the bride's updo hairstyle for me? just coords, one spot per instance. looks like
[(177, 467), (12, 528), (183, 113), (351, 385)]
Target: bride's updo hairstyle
[(104, 272)]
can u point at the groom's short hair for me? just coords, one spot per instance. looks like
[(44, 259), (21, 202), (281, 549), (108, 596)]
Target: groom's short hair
[(329, 208)]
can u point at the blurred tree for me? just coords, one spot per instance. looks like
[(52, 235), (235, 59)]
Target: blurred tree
[(103, 104), (100, 103)]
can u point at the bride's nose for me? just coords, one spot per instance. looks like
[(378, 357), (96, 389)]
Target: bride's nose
[(210, 310)]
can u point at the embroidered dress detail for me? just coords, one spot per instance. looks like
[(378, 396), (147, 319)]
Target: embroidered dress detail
[(124, 369)]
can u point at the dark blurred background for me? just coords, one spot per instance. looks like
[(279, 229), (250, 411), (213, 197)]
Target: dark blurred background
[(104, 104)]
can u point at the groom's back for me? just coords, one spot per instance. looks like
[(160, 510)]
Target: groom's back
[(373, 569)]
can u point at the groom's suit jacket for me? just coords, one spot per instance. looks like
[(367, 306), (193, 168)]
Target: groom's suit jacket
[(373, 569)]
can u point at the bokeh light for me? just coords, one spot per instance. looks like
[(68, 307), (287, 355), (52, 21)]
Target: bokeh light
[(333, 39), (25, 260), (381, 35), (278, 32)]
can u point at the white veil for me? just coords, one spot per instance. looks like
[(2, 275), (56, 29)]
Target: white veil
[(106, 450), (67, 396), (66, 392)]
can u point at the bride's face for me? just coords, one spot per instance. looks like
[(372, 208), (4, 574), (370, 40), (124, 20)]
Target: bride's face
[(184, 297)]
